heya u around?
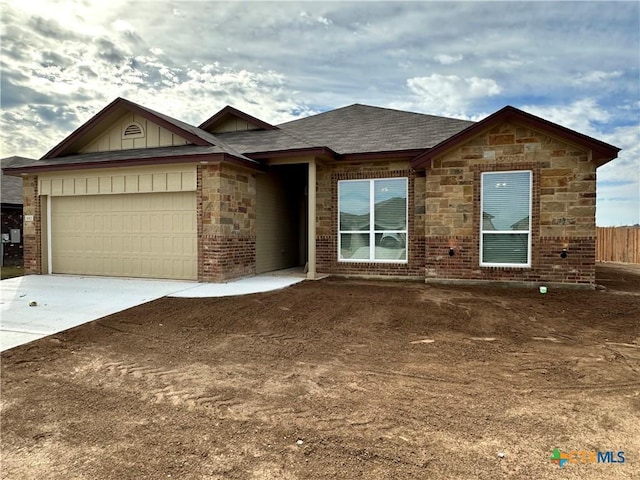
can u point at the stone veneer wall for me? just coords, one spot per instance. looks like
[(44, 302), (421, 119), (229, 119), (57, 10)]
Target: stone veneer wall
[(31, 230), (327, 218), (563, 207), (226, 222)]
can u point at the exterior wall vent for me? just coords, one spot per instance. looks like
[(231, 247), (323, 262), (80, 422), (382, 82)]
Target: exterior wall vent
[(133, 130)]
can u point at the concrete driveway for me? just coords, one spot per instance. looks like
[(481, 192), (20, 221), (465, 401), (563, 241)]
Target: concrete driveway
[(65, 301)]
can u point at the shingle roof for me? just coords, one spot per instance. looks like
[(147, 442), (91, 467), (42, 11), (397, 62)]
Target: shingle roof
[(254, 141), (361, 128), (11, 188)]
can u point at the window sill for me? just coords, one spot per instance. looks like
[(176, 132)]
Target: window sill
[(505, 265), (397, 262)]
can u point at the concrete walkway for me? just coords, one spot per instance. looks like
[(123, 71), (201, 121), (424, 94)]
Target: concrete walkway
[(65, 301)]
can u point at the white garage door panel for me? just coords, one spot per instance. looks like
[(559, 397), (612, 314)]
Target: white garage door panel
[(132, 235)]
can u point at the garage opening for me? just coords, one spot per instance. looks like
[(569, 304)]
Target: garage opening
[(281, 218), (148, 235)]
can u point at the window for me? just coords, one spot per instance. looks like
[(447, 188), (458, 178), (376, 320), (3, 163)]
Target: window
[(372, 220), (505, 236)]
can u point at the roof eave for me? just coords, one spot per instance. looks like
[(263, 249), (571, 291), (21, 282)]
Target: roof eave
[(197, 158), (407, 154), (324, 152)]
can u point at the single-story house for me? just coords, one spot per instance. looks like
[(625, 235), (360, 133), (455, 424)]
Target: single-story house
[(359, 190), (11, 213)]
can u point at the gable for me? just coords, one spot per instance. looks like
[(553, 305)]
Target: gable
[(512, 142), (132, 131), (232, 124), (111, 116), (600, 152), (231, 119)]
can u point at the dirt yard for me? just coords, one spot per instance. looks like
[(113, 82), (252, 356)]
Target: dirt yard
[(335, 379)]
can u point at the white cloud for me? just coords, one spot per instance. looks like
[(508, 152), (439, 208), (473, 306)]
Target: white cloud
[(309, 19), (449, 95), (504, 62), (123, 26), (580, 115), (448, 59), (597, 76)]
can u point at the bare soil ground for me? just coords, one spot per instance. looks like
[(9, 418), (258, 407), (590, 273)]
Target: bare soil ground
[(334, 379)]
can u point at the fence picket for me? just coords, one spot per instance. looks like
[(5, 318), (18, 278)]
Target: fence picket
[(618, 244)]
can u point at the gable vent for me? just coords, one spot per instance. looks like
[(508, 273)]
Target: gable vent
[(133, 130)]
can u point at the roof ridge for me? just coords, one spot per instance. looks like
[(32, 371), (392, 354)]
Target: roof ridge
[(373, 107)]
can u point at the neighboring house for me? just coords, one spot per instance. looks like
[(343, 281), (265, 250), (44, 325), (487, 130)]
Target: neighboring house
[(11, 216), (358, 190)]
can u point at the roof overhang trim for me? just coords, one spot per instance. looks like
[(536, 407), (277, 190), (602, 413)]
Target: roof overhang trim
[(124, 163), (323, 152), (386, 155)]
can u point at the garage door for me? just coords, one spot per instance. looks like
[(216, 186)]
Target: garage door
[(131, 235)]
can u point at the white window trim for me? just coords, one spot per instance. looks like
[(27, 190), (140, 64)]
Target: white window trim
[(528, 232), (372, 231)]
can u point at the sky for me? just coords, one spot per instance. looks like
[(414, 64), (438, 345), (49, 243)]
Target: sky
[(574, 63)]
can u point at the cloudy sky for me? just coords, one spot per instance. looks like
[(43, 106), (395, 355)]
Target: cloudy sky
[(577, 64)]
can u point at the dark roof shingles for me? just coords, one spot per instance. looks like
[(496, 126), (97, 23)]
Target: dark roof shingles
[(254, 141), (362, 128), (353, 129)]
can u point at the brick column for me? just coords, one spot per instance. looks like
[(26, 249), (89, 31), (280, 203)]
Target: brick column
[(32, 229), (226, 223)]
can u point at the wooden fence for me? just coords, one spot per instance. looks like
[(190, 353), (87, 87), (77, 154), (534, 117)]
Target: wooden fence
[(618, 244)]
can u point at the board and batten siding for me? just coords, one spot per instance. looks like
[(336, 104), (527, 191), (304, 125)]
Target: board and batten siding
[(178, 178), (153, 136), (234, 125)]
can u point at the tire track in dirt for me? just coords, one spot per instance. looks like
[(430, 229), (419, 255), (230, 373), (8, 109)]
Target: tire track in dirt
[(177, 386), (594, 387), (180, 387), (268, 336)]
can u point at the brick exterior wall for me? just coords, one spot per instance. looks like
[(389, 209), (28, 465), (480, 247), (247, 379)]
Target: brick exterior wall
[(226, 222), (31, 230), (327, 219), (563, 207), (444, 213)]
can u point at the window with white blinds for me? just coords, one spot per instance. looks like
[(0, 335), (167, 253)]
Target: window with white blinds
[(372, 220), (505, 236)]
